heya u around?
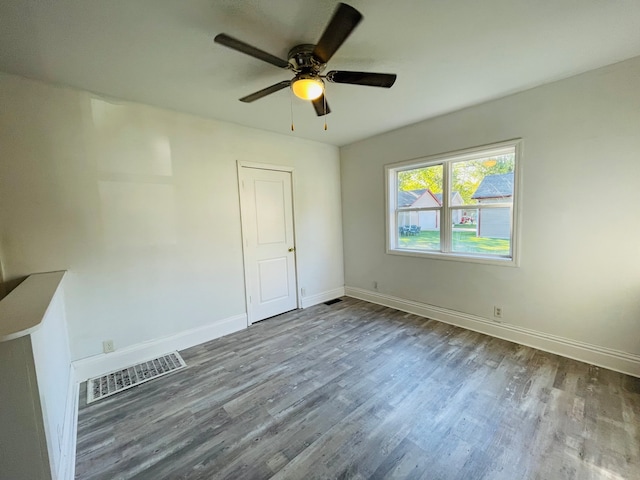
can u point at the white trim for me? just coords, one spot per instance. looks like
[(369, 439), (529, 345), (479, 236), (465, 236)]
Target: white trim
[(265, 166), (616, 360), (312, 300), (468, 258), (107, 362), (445, 159), (480, 151), (67, 464), (240, 164), (243, 235)]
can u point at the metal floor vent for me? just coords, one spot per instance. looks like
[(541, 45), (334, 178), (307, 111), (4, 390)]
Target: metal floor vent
[(125, 378), (331, 302)]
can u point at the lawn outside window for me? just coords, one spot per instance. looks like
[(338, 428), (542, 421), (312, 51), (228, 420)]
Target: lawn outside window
[(456, 206)]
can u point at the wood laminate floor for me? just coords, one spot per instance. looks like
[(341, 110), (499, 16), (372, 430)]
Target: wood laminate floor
[(356, 390)]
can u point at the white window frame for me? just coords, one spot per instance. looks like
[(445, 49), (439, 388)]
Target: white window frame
[(446, 160)]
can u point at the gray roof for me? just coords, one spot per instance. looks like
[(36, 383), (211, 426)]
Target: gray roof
[(439, 196), (495, 186), (407, 197)]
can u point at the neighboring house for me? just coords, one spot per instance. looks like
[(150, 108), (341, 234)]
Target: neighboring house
[(406, 198), (495, 223), (429, 220), (456, 199)]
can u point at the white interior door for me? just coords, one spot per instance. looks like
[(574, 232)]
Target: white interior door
[(269, 249)]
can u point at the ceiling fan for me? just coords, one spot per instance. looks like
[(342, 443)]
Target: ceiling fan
[(309, 61)]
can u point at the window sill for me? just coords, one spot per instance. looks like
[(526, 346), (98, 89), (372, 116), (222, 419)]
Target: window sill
[(482, 259)]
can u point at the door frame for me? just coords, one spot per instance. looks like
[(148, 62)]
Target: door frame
[(280, 168)]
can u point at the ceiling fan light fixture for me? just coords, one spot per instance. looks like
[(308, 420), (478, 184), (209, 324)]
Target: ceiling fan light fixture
[(307, 62), (307, 88)]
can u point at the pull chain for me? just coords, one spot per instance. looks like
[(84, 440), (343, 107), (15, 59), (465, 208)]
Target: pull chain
[(291, 104), (324, 100)]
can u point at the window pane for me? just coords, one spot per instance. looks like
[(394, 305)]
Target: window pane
[(412, 236), (483, 180), (484, 231), (420, 187), (479, 196)]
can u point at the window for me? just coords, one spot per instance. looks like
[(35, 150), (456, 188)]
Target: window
[(460, 206)]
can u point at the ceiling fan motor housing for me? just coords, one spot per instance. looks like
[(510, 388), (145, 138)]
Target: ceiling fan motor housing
[(302, 60)]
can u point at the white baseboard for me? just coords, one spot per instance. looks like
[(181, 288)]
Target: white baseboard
[(67, 465), (601, 356), (89, 367), (312, 300)]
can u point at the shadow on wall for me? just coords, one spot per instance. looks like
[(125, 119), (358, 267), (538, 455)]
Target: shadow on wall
[(7, 287)]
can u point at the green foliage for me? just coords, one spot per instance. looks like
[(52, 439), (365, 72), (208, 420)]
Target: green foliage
[(428, 177), (467, 176)]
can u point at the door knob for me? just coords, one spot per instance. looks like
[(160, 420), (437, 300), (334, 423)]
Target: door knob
[(292, 249)]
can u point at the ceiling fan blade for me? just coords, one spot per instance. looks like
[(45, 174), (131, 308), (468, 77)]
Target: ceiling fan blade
[(322, 108), (266, 91), (227, 41), (344, 20), (385, 80)]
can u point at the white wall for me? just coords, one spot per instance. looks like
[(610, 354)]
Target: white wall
[(579, 276), (52, 361), (53, 369), (141, 206), (38, 395)]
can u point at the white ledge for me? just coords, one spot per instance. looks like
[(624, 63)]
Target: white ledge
[(22, 311)]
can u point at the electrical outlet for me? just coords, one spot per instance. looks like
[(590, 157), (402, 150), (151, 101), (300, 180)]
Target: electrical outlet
[(375, 285), (497, 312), (107, 346), (303, 292)]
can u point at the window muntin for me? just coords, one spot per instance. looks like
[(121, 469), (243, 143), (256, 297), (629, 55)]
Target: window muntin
[(459, 205)]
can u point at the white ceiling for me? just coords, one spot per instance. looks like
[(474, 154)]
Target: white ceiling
[(447, 54)]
